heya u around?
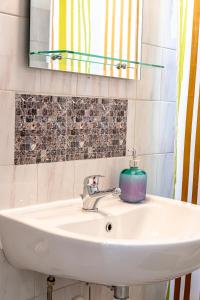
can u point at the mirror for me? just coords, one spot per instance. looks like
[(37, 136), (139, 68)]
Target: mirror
[(99, 37)]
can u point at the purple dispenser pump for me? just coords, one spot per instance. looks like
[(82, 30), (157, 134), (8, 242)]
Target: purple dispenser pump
[(133, 182)]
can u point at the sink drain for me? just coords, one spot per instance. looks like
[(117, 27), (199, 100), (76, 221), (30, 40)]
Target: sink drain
[(108, 227)]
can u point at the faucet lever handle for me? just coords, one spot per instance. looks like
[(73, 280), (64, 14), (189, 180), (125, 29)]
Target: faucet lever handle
[(94, 187), (87, 179)]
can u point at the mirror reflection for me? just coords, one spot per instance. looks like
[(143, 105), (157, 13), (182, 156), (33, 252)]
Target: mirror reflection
[(87, 36)]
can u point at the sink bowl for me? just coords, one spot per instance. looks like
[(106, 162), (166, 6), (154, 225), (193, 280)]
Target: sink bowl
[(122, 244)]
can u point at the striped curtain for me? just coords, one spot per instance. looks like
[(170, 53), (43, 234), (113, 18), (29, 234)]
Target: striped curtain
[(187, 186), (110, 28)]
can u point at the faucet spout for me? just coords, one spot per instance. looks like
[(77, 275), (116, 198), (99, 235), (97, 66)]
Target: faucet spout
[(92, 195)]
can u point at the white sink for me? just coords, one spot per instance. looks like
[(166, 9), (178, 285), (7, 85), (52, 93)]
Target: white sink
[(152, 241)]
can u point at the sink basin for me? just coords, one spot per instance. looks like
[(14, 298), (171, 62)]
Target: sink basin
[(122, 244)]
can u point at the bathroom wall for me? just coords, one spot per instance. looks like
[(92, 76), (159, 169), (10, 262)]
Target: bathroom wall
[(151, 123)]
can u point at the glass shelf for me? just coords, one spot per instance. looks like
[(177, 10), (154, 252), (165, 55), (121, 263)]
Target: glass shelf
[(56, 55)]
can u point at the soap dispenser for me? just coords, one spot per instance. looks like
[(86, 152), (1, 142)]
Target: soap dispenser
[(133, 182)]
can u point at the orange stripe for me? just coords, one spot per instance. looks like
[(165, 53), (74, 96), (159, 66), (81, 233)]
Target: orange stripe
[(136, 38), (187, 287), (113, 34), (196, 159), (106, 38), (121, 33), (177, 288), (190, 105), (129, 36)]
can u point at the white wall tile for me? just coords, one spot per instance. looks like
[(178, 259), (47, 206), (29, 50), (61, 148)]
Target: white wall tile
[(58, 82), (92, 86), (55, 181), (68, 293), (15, 284), (153, 22), (24, 78), (131, 89), (117, 88), (169, 74), (8, 34), (17, 7), (167, 126), (170, 20), (136, 292), (99, 292), (130, 135), (147, 127), (85, 168), (154, 291), (40, 284), (114, 166), (80, 289), (122, 88), (18, 185), (149, 86), (7, 127), (160, 23), (149, 164), (6, 180), (15, 73), (24, 185), (165, 175), (154, 127)]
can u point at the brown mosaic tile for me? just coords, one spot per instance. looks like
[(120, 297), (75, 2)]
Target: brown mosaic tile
[(52, 129)]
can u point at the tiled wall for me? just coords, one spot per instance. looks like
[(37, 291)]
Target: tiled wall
[(151, 120), (53, 129)]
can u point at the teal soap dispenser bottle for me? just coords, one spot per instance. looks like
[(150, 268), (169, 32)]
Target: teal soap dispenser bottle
[(133, 182)]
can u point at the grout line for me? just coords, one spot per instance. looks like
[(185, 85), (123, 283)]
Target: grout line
[(37, 197), (155, 101), (134, 139), (76, 89), (74, 177), (158, 46), (60, 288), (64, 95), (13, 15), (150, 154), (74, 161), (83, 96)]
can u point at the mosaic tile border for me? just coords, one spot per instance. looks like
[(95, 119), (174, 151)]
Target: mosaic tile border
[(54, 128)]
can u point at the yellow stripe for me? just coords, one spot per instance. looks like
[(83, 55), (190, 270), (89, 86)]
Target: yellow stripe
[(62, 31), (121, 33), (72, 32), (106, 38), (113, 34), (129, 36)]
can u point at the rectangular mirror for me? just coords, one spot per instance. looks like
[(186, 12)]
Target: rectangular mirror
[(99, 37)]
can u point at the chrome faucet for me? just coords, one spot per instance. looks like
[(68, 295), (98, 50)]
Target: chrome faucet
[(92, 195)]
